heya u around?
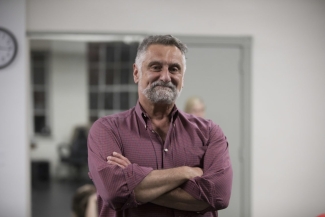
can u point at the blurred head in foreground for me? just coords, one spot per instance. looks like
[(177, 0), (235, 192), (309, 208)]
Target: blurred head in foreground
[(83, 200)]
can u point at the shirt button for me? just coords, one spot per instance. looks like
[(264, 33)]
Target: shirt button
[(152, 131), (165, 149)]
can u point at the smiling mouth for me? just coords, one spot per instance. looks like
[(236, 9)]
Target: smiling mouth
[(163, 87)]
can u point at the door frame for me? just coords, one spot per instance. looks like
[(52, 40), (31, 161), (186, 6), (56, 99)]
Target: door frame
[(244, 44)]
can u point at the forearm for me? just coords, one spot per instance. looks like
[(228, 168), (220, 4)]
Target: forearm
[(159, 182), (181, 200)]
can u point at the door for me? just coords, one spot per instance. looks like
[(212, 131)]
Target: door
[(216, 70)]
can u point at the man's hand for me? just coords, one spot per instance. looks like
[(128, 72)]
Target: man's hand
[(194, 172), (118, 159)]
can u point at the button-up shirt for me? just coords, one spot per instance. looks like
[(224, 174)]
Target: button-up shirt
[(190, 141)]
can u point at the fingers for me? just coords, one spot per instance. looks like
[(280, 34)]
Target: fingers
[(118, 155), (118, 159), (112, 162)]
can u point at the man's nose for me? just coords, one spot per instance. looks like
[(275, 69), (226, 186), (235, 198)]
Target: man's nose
[(165, 76)]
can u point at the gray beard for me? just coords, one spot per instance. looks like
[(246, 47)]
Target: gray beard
[(161, 92)]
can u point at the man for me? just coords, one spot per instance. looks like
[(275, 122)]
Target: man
[(155, 160)]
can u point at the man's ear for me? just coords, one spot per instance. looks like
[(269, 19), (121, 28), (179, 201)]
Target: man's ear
[(136, 73)]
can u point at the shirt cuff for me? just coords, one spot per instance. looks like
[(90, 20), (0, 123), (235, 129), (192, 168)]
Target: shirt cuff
[(134, 174), (200, 189)]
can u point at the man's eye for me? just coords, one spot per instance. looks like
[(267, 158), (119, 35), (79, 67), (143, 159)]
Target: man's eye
[(155, 68), (173, 69)]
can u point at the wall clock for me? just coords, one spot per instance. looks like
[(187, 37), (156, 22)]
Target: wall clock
[(8, 47)]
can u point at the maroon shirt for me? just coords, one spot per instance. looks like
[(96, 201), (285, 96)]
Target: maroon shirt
[(191, 141)]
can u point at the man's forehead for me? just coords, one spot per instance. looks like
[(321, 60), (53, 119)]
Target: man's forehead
[(159, 52)]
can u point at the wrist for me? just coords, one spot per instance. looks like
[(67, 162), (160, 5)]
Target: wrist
[(187, 172), (192, 172)]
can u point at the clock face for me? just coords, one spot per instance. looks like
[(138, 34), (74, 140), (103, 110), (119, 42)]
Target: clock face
[(8, 47)]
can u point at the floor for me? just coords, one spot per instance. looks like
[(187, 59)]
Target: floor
[(53, 198)]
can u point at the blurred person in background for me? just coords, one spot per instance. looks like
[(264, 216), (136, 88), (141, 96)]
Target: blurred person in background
[(154, 159), (195, 106)]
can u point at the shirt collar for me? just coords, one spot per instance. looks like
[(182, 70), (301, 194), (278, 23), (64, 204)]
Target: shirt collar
[(143, 116)]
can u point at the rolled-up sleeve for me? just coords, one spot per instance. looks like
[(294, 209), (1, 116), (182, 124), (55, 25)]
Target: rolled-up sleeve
[(214, 186), (114, 184)]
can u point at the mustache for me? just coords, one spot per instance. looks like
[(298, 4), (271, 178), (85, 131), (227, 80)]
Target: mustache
[(163, 84)]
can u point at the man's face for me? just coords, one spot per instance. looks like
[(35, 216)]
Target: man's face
[(161, 74)]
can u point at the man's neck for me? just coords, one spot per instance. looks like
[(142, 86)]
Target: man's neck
[(157, 111)]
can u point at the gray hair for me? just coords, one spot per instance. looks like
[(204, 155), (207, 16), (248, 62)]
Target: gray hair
[(167, 40)]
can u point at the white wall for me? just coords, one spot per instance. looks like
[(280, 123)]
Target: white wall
[(288, 118), (14, 145), (68, 101)]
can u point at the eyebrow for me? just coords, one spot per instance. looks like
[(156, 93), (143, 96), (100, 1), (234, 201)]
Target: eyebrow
[(155, 63), (175, 65), (161, 63)]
